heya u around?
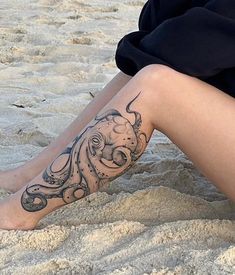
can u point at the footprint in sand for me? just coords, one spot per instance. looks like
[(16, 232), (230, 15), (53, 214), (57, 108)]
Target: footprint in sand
[(81, 41)]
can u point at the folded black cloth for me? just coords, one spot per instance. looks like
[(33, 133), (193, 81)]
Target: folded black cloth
[(195, 37)]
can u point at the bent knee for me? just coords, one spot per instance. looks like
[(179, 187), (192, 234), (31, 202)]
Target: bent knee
[(164, 80), (157, 71), (156, 79), (161, 84), (162, 74)]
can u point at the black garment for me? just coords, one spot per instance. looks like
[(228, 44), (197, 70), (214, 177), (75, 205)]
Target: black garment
[(195, 37)]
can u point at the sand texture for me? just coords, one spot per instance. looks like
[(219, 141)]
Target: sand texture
[(161, 218)]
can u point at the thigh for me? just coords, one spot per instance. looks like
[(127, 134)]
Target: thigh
[(200, 119)]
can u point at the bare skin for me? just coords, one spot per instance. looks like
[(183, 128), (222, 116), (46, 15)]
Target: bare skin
[(193, 114), (13, 180)]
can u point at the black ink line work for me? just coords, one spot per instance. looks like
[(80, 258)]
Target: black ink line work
[(104, 151)]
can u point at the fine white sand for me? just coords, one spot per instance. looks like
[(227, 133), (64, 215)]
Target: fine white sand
[(161, 217)]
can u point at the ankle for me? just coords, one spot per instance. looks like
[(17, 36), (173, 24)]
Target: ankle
[(13, 217), (20, 225)]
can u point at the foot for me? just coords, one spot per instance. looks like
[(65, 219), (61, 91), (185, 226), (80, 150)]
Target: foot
[(38, 197), (13, 180)]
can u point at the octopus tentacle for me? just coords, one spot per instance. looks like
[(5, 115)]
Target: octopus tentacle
[(60, 176), (85, 166), (74, 192), (138, 120), (37, 192), (109, 169)]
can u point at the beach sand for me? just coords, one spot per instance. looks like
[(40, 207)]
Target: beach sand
[(161, 217)]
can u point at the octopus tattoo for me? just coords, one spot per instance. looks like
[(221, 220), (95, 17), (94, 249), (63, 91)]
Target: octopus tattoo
[(102, 152)]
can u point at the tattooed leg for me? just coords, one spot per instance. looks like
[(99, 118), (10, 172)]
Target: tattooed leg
[(15, 179), (103, 150)]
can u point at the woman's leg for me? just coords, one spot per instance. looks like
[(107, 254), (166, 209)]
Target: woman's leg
[(14, 179), (199, 119), (196, 116)]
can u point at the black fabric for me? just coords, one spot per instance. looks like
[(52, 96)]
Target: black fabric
[(195, 37)]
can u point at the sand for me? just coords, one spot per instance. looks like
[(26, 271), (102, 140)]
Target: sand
[(161, 217)]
